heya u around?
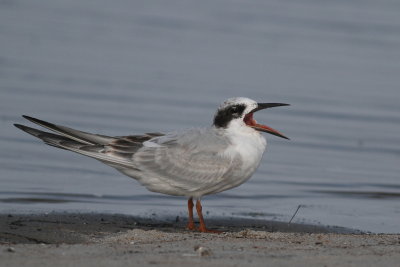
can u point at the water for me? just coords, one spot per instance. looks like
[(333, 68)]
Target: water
[(125, 67)]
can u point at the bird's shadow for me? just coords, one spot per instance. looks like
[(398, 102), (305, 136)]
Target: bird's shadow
[(73, 228)]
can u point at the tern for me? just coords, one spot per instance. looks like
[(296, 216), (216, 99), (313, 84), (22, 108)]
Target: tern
[(191, 163)]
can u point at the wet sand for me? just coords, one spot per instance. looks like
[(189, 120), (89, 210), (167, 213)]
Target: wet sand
[(115, 240)]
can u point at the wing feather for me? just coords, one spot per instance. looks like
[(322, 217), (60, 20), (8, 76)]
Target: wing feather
[(114, 151), (94, 151), (73, 134), (191, 162)]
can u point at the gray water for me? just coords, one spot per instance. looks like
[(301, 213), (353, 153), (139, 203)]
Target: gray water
[(126, 67)]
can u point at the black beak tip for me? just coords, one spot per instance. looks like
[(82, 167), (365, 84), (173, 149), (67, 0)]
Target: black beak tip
[(261, 106), (282, 136)]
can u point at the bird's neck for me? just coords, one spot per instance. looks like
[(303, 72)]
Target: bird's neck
[(245, 138)]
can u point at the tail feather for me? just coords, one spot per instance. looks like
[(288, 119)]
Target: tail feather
[(82, 137)]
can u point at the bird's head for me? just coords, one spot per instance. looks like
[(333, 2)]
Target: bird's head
[(238, 112)]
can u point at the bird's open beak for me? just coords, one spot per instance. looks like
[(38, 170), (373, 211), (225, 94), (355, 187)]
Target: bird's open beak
[(251, 122)]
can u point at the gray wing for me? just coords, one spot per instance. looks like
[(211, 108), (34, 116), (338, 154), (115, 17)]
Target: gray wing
[(193, 161), (114, 151)]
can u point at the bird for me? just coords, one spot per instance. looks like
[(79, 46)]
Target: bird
[(192, 163)]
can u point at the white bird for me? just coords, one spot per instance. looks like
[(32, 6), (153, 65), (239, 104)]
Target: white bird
[(190, 163)]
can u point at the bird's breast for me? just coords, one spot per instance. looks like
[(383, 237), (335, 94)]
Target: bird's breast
[(250, 149)]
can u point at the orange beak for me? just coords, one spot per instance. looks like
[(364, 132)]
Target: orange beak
[(251, 122)]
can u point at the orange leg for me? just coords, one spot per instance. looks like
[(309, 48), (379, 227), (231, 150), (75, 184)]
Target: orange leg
[(202, 227), (190, 224)]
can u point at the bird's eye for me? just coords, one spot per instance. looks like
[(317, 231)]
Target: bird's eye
[(234, 109)]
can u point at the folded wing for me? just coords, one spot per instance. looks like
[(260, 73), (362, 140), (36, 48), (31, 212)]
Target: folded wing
[(190, 162)]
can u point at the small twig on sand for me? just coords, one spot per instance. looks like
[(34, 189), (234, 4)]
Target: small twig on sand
[(294, 213)]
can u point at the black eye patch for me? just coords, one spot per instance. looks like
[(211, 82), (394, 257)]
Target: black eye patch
[(224, 116), (234, 109)]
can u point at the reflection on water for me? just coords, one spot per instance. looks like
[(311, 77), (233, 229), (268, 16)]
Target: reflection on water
[(121, 68)]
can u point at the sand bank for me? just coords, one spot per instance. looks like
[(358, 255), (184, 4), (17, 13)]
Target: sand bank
[(118, 240)]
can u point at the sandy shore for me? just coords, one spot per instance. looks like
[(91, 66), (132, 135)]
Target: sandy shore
[(118, 240)]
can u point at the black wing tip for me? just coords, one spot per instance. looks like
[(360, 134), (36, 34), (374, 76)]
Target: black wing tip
[(26, 128), (20, 126), (40, 122), (32, 119), (29, 130), (29, 118)]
